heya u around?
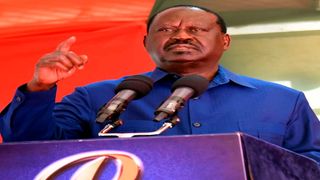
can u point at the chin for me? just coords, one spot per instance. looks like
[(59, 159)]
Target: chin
[(180, 61), (181, 58)]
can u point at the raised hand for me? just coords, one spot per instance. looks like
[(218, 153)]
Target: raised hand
[(55, 66)]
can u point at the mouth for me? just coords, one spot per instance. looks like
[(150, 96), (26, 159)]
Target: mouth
[(181, 47)]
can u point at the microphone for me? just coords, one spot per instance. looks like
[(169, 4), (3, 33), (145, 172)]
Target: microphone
[(183, 89), (133, 87)]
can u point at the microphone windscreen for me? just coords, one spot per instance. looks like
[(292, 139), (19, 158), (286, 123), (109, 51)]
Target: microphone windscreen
[(141, 84), (198, 83)]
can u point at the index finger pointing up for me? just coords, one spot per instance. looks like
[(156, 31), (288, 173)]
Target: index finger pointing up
[(64, 46)]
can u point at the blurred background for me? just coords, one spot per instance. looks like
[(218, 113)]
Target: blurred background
[(274, 40), (277, 40)]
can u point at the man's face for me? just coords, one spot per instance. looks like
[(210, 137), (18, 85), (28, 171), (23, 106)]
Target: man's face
[(186, 40)]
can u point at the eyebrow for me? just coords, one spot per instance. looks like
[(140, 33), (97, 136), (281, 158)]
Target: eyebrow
[(199, 24)]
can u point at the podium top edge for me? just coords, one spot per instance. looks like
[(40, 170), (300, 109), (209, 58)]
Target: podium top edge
[(235, 134)]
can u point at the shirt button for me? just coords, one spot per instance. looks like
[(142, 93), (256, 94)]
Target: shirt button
[(196, 124), (195, 98), (18, 99)]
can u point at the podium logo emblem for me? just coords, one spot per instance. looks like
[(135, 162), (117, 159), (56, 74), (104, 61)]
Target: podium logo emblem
[(128, 166)]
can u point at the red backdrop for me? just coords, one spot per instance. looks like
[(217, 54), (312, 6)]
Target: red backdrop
[(110, 32)]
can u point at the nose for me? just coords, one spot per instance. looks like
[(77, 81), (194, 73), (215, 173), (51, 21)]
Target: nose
[(181, 34)]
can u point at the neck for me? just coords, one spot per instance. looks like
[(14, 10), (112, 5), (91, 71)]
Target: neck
[(207, 73)]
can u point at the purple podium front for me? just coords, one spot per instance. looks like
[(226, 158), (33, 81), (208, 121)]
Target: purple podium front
[(224, 156)]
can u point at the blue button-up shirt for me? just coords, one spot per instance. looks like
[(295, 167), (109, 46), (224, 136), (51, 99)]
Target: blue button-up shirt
[(232, 103)]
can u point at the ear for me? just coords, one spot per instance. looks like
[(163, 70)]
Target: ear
[(227, 41), (144, 40)]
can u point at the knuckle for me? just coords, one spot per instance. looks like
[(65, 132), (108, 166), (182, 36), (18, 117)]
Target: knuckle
[(61, 57), (73, 55), (56, 64)]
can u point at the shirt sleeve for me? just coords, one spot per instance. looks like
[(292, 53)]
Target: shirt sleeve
[(36, 116), (303, 130), (28, 116)]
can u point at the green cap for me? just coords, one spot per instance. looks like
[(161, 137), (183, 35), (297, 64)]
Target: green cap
[(161, 5)]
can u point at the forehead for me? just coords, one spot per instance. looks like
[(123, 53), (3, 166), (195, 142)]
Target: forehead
[(185, 14)]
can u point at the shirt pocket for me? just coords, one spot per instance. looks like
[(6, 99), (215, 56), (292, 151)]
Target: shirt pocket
[(271, 132)]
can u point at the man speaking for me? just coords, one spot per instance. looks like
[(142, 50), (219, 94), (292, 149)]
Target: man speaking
[(183, 38)]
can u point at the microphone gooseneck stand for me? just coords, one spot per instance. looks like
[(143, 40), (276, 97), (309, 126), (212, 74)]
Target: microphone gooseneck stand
[(174, 120)]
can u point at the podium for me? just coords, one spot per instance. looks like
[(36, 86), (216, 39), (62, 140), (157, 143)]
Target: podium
[(234, 156)]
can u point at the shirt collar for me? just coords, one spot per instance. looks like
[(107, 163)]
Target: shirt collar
[(223, 76), (158, 74)]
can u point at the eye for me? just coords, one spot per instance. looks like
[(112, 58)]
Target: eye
[(166, 29), (197, 29)]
